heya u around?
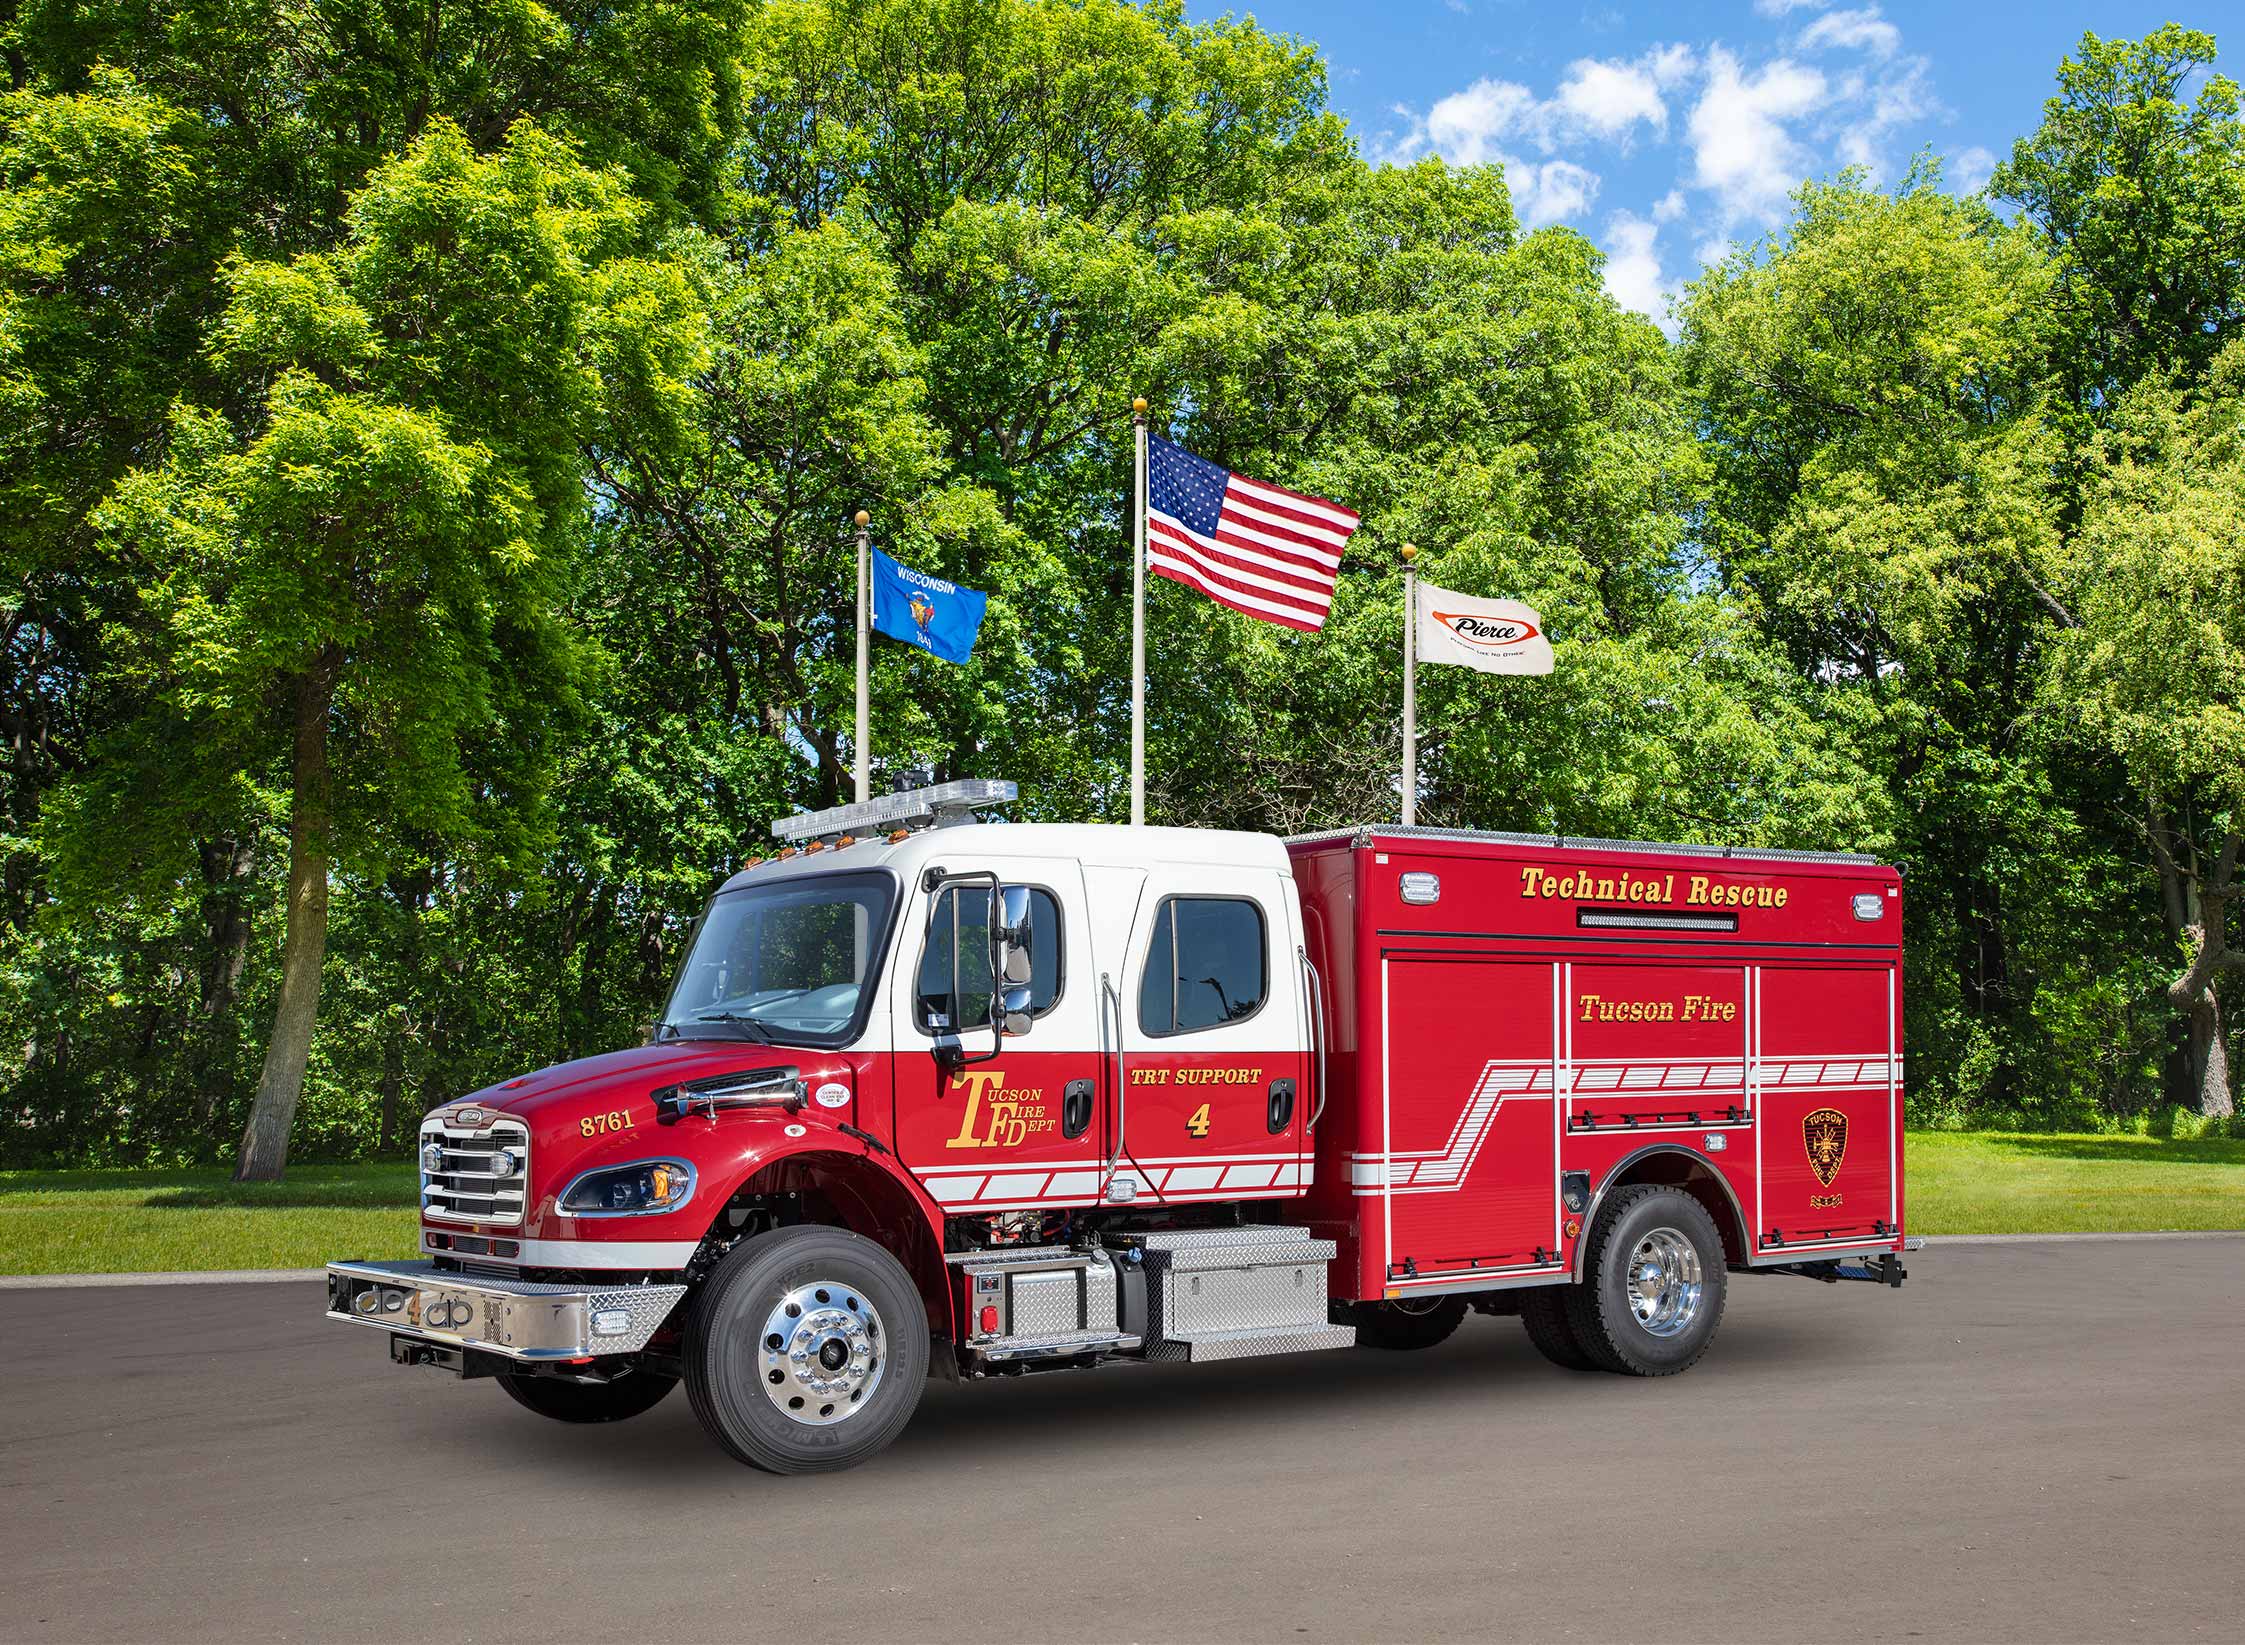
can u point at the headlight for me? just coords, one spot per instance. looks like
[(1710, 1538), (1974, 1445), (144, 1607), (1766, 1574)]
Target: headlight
[(505, 1163), (629, 1190), (432, 1157)]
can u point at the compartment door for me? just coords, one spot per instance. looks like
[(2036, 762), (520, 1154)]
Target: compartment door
[(1826, 1085), (1467, 1157)]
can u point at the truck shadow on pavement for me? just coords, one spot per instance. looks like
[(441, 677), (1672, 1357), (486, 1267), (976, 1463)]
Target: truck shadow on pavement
[(1489, 1369)]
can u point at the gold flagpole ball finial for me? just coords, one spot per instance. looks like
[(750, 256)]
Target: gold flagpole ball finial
[(1409, 551), (1138, 405), (863, 519)]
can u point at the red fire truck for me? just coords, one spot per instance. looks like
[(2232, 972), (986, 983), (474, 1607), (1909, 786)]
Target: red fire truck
[(935, 1094)]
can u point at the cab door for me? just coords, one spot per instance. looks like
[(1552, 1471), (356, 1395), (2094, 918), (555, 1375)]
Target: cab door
[(1212, 1104), (1024, 1128)]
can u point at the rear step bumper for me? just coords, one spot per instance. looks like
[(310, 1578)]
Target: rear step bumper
[(513, 1318)]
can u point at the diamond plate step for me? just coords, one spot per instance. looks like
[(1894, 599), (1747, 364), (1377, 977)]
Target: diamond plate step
[(1055, 1345), (1287, 1339)]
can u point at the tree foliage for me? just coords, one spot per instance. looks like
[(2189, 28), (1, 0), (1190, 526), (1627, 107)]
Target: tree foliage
[(428, 440)]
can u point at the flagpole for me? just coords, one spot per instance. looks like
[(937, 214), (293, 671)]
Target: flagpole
[(1410, 687), (864, 652), (1138, 620)]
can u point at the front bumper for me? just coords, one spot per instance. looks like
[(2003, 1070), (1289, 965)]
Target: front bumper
[(515, 1318)]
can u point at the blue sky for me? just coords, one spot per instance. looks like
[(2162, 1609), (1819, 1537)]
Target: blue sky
[(1667, 133)]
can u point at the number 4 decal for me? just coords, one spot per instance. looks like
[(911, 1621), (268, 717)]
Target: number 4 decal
[(1198, 1124)]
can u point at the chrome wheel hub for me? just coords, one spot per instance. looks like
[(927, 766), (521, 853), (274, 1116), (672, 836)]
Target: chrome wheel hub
[(822, 1352), (1664, 1283)]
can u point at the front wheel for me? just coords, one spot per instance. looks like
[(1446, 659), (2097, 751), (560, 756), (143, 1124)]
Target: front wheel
[(1653, 1289), (616, 1400), (806, 1351)]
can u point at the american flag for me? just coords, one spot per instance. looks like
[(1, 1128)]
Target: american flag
[(1257, 548)]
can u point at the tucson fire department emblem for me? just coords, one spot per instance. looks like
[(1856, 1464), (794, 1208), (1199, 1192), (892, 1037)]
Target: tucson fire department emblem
[(1824, 1132)]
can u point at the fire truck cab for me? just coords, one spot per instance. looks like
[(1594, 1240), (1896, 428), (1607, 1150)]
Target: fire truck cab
[(940, 1094)]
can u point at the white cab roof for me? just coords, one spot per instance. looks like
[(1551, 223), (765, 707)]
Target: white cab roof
[(993, 845)]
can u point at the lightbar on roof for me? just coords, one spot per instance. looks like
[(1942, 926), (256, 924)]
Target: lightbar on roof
[(942, 805)]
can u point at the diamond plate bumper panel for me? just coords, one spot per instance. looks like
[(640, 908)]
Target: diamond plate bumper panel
[(1247, 1344)]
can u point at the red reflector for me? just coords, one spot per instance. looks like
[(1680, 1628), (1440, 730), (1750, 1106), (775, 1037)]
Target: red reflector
[(989, 1321)]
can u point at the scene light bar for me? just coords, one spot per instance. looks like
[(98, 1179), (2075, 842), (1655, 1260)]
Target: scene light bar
[(942, 806)]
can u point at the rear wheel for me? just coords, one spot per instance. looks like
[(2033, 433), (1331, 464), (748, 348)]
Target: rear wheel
[(806, 1351), (1654, 1284), (1420, 1323), (615, 1400), (1544, 1312)]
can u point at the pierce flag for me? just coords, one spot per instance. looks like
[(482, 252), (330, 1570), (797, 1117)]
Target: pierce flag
[(938, 617), (1495, 636)]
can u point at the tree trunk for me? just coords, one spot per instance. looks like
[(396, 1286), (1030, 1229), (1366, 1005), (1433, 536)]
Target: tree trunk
[(2214, 1098), (265, 1139)]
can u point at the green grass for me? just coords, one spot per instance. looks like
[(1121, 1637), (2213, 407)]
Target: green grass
[(1959, 1182), (91, 1222), (1976, 1182)]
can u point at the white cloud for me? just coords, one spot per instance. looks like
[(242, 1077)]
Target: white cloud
[(1781, 8), (1610, 98), (1633, 267), (1970, 170), (1742, 147), (1902, 94), (1466, 126), (1669, 206), (1551, 192), (1863, 30)]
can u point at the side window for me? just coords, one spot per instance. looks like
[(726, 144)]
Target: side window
[(960, 920), (1206, 966)]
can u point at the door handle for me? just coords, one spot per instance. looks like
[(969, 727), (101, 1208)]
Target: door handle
[(1282, 1105), (1075, 1108)]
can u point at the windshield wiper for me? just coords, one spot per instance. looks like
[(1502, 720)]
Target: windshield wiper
[(756, 1030)]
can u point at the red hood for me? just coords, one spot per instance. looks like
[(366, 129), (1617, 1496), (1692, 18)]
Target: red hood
[(634, 1072)]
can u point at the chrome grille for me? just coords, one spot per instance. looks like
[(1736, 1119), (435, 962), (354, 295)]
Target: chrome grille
[(465, 1188)]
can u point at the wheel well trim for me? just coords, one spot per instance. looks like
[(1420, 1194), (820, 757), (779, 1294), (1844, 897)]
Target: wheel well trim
[(1614, 1179), (744, 1170)]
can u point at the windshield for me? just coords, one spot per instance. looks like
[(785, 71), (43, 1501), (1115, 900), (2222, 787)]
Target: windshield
[(796, 960)]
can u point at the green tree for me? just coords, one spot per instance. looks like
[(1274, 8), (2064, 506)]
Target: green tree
[(367, 573), (2141, 197), (2152, 666), (1872, 400)]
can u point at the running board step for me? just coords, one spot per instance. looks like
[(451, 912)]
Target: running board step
[(1284, 1339), (1056, 1345)]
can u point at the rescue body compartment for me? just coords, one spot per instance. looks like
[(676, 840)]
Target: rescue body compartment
[(1521, 1022)]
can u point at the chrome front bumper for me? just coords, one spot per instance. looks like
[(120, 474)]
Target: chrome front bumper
[(519, 1319)]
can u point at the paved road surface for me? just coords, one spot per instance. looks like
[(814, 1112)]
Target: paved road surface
[(2032, 1443)]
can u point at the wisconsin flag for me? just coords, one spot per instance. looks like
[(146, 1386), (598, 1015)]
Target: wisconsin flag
[(925, 611), (1495, 636)]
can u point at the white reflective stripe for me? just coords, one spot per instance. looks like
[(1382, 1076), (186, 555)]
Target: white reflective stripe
[(1188, 1177), (1020, 1185), (950, 1190), (1073, 1182), (1249, 1176), (607, 1253)]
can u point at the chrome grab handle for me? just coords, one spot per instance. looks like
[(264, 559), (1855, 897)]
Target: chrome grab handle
[(1317, 1035), (1110, 1002)]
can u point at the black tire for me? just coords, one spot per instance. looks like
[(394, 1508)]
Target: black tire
[(1543, 1311), (859, 1297), (1402, 1325), (1600, 1309), (617, 1400)]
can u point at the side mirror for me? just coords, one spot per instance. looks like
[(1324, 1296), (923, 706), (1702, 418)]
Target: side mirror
[(1011, 960)]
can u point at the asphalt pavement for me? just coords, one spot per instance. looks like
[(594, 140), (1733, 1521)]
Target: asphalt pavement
[(2032, 1442)]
